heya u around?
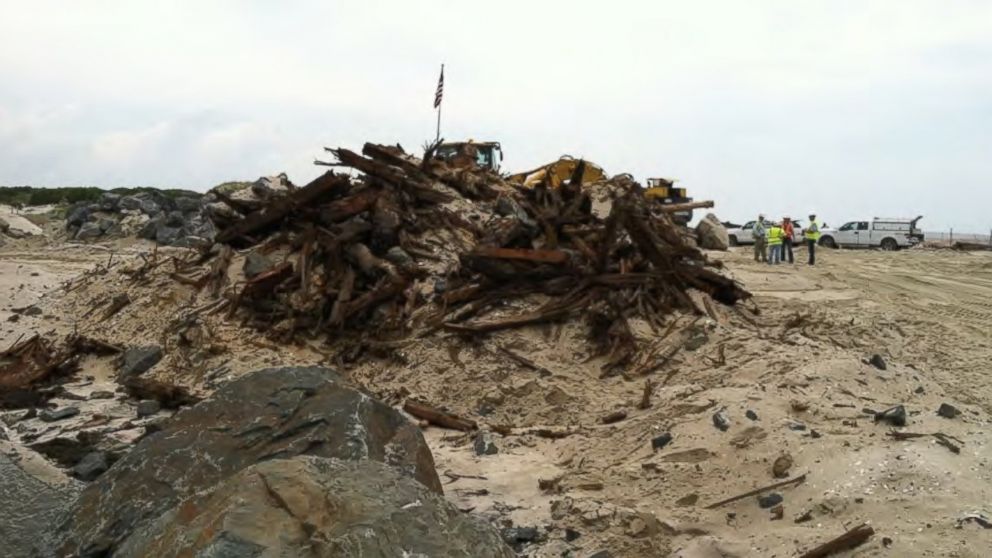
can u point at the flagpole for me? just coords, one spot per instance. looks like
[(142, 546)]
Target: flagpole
[(438, 137)]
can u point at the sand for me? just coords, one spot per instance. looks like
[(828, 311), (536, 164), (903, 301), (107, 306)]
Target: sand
[(801, 359)]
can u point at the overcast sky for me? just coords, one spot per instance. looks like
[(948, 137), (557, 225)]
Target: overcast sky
[(850, 109)]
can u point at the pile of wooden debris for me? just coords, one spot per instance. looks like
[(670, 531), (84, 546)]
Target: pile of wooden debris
[(408, 246)]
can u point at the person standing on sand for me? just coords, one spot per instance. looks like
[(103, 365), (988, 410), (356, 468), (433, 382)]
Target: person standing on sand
[(774, 244), (787, 234), (812, 234), (758, 233)]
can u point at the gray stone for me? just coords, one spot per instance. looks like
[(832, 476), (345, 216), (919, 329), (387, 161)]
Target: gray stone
[(271, 186), (77, 215), (318, 507), (947, 410), (109, 201), (150, 229), (896, 416), (269, 414), (58, 414), (484, 444), (137, 360), (751, 414), (659, 442), (878, 362), (148, 407), (256, 264), (721, 420), (398, 256), (106, 225), (168, 235), (149, 207), (32, 504), (770, 500), (712, 234), (102, 395), (796, 425), (175, 219), (88, 231), (187, 204), (91, 466), (517, 537), (130, 203)]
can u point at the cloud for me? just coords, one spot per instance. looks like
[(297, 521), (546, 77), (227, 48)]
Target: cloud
[(850, 108)]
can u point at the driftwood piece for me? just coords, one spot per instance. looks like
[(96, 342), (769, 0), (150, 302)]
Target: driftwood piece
[(942, 439), (676, 207), (438, 417), (847, 541), (524, 254), (116, 304), (797, 480), (646, 395), (524, 361), (279, 208)]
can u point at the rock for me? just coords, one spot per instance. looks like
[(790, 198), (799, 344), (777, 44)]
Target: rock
[(138, 360), (896, 416), (770, 500), (919, 390), (517, 537), (88, 231), (148, 407), (149, 206), (661, 441), (102, 395), (91, 466), (256, 264), (781, 466), (107, 225), (109, 201), (878, 362), (947, 410), (721, 420), (796, 425), (187, 204), (271, 186), (398, 256), (130, 203), (150, 229), (751, 414), (32, 502), (571, 534), (318, 507), (77, 215), (712, 234), (600, 554), (168, 235), (276, 413), (484, 444), (58, 414)]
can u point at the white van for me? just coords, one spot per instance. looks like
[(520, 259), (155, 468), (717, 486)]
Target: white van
[(887, 234)]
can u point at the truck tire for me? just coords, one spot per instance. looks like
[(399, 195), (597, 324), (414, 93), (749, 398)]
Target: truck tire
[(733, 240), (889, 244), (828, 242)]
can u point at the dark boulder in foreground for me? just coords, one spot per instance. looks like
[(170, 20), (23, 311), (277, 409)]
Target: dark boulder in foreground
[(276, 413), (313, 506), (32, 501)]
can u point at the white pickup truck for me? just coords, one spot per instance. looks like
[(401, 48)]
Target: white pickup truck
[(887, 234), (742, 235)]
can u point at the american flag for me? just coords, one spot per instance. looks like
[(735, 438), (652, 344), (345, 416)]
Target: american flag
[(440, 89)]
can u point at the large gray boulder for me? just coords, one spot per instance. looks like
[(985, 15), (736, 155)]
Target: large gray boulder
[(78, 214), (89, 230), (318, 507), (712, 234), (268, 414), (33, 496), (271, 186), (130, 203), (109, 201), (188, 204)]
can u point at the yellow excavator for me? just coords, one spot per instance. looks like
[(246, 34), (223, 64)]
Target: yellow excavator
[(489, 155)]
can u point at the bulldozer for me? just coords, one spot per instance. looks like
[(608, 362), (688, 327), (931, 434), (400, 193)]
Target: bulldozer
[(489, 155)]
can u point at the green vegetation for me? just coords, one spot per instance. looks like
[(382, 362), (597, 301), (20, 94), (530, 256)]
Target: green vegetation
[(30, 195)]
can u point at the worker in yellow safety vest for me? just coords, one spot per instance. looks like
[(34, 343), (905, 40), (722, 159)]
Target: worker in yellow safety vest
[(775, 235), (812, 234)]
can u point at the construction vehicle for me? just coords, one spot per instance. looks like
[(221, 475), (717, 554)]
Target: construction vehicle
[(484, 154), (489, 155), (663, 191), (556, 173)]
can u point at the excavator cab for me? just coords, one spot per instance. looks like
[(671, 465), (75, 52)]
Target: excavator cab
[(485, 154), (663, 190)]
